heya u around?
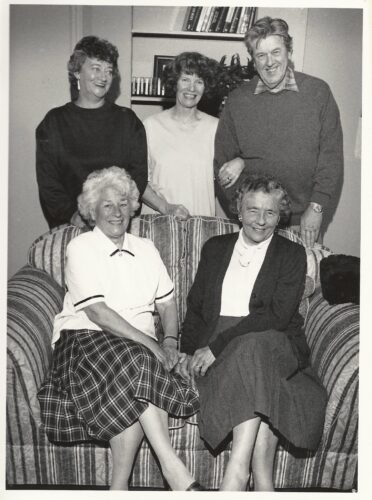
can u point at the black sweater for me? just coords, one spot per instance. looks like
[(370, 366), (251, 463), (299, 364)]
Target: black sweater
[(72, 142)]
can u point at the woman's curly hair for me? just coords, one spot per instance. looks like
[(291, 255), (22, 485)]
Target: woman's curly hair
[(267, 184), (93, 47), (98, 180), (191, 63)]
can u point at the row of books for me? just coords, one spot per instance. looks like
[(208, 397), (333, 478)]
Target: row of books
[(219, 19), (147, 86)]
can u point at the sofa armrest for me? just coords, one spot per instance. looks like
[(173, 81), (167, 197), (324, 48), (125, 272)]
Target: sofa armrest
[(34, 299), (333, 336)]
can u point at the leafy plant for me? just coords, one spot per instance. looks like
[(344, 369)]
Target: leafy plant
[(231, 76)]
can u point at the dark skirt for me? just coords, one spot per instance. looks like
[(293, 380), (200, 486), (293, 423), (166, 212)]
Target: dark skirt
[(256, 376), (100, 384)]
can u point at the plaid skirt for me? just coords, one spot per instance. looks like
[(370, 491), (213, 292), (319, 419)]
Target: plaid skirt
[(100, 384)]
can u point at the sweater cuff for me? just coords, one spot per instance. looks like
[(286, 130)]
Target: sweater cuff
[(320, 198), (217, 346)]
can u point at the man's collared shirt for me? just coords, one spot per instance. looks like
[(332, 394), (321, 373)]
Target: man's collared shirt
[(289, 83), (129, 281)]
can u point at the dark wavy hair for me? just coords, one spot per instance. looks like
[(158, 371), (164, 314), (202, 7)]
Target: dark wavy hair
[(93, 47), (265, 27), (267, 184), (191, 63)]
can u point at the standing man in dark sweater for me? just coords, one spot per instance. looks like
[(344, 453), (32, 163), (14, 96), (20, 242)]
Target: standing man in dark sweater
[(284, 123)]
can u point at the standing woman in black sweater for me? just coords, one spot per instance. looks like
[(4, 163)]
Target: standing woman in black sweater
[(86, 134)]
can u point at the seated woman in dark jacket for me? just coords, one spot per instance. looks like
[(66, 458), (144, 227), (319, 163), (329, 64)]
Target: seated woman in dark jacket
[(244, 341)]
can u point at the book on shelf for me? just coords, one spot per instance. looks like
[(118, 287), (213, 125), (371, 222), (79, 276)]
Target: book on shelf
[(201, 18), (227, 24), (214, 21), (243, 21), (186, 19), (190, 18), (206, 17), (196, 18), (252, 18), (221, 20), (210, 17), (235, 19)]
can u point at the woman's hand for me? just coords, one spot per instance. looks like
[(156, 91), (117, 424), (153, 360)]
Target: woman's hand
[(183, 367), (230, 172), (178, 211), (159, 352), (172, 355), (202, 359)]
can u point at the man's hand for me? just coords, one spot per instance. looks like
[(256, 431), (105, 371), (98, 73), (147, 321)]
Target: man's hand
[(230, 172), (310, 226), (76, 220), (202, 359)]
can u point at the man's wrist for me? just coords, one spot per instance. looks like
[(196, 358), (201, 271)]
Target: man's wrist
[(317, 207)]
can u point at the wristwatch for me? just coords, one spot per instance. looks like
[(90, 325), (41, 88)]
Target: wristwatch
[(316, 207)]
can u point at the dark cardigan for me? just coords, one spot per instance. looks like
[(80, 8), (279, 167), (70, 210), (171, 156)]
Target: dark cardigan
[(274, 301)]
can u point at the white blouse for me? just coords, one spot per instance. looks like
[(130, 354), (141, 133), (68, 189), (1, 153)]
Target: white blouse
[(245, 264), (180, 161)]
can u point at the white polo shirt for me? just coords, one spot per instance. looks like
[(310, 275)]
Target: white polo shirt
[(129, 281)]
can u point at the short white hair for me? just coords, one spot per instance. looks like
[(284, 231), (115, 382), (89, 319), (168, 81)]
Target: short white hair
[(98, 180)]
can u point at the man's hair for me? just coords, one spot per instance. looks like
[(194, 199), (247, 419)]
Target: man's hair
[(264, 27)]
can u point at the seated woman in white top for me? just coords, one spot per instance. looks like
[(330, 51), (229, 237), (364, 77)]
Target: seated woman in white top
[(181, 142), (110, 379)]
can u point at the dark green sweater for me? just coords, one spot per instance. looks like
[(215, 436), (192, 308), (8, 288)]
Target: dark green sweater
[(295, 136), (73, 141)]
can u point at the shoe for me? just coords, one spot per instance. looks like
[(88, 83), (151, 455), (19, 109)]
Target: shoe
[(195, 486)]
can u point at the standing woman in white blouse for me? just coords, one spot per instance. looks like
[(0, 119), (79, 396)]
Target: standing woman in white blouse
[(244, 342), (180, 143)]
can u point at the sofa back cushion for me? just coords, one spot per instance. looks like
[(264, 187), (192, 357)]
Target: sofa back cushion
[(48, 252), (179, 244), (167, 233)]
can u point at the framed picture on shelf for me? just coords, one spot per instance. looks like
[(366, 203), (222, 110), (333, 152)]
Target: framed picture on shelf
[(159, 64)]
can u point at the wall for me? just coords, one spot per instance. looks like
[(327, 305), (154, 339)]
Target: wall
[(39, 50), (333, 52)]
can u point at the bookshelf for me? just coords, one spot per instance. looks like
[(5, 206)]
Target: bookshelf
[(188, 34), (158, 31)]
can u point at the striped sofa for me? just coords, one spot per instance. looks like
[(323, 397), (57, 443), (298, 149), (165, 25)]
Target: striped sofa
[(35, 295)]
